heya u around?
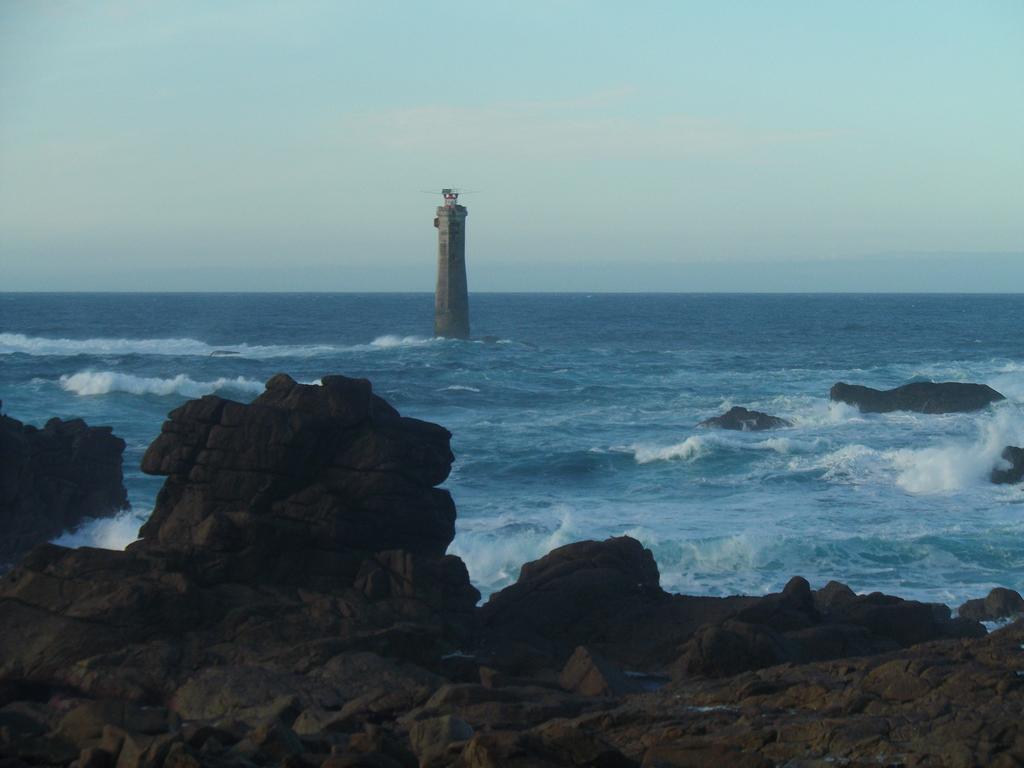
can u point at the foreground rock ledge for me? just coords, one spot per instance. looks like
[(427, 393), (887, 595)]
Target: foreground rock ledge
[(290, 603)]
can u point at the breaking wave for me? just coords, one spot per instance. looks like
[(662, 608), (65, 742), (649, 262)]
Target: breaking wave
[(698, 446), (392, 342), (953, 466), (494, 550), (105, 382), (106, 532), (688, 450), (12, 343)]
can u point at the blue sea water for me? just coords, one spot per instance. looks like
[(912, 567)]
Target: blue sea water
[(575, 418)]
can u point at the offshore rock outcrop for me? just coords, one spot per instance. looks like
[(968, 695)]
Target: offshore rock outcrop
[(1000, 603), (1014, 473), (741, 419), (51, 479), (921, 396)]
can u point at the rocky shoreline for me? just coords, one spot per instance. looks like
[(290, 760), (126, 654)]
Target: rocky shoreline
[(290, 603)]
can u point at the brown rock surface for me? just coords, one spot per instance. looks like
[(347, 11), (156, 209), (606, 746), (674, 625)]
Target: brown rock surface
[(1000, 603)]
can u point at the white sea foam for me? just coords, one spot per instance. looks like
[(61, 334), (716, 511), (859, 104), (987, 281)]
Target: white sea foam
[(105, 382), (690, 449), (819, 412), (11, 343), (956, 465), (392, 342), (459, 388), (852, 464), (107, 532), (1009, 383), (698, 446), (495, 553)]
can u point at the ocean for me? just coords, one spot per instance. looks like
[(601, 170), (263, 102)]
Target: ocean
[(574, 417)]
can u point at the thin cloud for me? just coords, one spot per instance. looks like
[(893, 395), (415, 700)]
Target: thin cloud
[(561, 129)]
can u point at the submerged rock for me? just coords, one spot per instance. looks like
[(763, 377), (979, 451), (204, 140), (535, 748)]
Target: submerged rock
[(922, 396), (1015, 472), (741, 419), (51, 479)]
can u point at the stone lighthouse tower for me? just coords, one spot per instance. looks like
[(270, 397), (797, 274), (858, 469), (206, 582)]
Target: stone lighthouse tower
[(451, 301)]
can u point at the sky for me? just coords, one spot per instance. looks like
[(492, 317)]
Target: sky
[(646, 146)]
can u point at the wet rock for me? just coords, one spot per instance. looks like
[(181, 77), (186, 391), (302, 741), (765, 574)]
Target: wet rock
[(1014, 473), (51, 479), (1000, 603), (739, 418), (923, 397)]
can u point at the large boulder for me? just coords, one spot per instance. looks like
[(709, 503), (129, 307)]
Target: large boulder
[(305, 468), (1000, 603), (1014, 473), (739, 418), (920, 396), (579, 594), (51, 479)]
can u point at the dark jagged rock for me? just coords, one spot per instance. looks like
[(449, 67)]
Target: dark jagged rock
[(601, 594), (303, 469), (290, 604), (741, 419), (1000, 603), (921, 396), (1015, 472), (799, 626), (290, 531), (51, 479), (606, 596)]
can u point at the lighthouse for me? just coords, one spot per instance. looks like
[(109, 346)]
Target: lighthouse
[(451, 299)]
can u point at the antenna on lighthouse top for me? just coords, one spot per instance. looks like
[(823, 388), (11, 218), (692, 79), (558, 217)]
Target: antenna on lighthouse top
[(451, 195)]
